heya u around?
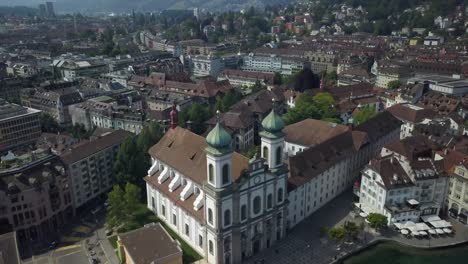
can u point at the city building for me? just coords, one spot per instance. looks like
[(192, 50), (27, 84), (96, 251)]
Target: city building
[(35, 196), (18, 125), (386, 75), (90, 166), (56, 103), (246, 79), (203, 66), (457, 196), (411, 115), (150, 244), (225, 206), (273, 63), (405, 183), (322, 61), (299, 137), (50, 9)]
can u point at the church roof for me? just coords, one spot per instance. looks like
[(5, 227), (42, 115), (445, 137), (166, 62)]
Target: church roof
[(273, 122), (218, 137), (184, 151)]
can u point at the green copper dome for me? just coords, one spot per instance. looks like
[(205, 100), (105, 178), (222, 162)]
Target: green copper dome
[(218, 137), (273, 123)]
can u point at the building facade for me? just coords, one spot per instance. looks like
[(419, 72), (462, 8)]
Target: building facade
[(272, 64), (224, 205), (90, 166), (18, 125)]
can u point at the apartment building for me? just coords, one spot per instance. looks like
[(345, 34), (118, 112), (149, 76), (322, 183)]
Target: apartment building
[(273, 63), (457, 196), (90, 166)]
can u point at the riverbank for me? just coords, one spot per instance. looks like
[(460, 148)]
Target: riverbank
[(458, 239)]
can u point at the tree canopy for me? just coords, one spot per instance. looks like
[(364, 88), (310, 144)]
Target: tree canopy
[(394, 85), (320, 106), (366, 113), (377, 221)]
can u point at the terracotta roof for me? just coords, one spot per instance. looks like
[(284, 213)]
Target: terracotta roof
[(392, 173), (411, 113), (413, 147), (184, 151), (380, 125), (150, 243), (301, 132), (267, 77), (88, 148), (234, 120), (313, 161), (260, 102)]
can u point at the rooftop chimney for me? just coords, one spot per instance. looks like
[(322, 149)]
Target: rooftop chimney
[(174, 116)]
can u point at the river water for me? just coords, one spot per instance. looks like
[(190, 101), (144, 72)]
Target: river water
[(393, 253)]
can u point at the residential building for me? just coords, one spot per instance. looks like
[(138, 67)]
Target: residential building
[(50, 9), (150, 244), (35, 195), (225, 206), (409, 93), (18, 125), (90, 166), (405, 183), (56, 103), (386, 75), (246, 79), (322, 61), (411, 115), (273, 63), (457, 196)]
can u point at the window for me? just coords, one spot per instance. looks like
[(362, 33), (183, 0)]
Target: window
[(210, 247), (269, 201), (256, 205), (280, 195), (225, 174), (174, 219), (227, 217), (163, 210), (210, 173), (210, 216), (187, 230), (243, 212), (265, 152), (200, 241), (153, 205), (278, 156)]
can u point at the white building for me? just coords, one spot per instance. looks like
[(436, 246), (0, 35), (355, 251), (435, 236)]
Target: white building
[(272, 64), (404, 184), (410, 115), (203, 66), (225, 206)]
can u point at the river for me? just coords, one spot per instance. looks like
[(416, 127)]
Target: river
[(393, 253)]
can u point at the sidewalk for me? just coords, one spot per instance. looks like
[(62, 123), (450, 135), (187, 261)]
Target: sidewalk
[(107, 248)]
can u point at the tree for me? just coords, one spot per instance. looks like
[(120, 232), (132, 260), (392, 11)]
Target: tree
[(366, 113), (351, 229), (377, 221), (325, 104), (304, 80), (131, 198), (277, 78), (394, 85), (48, 123), (129, 164), (304, 108), (337, 234), (257, 87), (79, 131), (116, 207)]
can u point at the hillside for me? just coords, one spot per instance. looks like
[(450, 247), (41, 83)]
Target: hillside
[(152, 5)]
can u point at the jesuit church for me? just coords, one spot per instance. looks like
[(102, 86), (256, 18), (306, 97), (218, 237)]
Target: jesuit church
[(226, 206)]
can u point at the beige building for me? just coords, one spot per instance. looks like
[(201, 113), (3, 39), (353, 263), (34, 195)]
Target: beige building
[(18, 125), (457, 196), (150, 244), (321, 61), (90, 166)]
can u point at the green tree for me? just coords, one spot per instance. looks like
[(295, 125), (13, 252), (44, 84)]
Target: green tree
[(351, 229), (304, 108), (337, 234), (116, 207), (257, 87), (48, 123), (323, 231), (377, 221), (394, 85), (131, 198), (366, 113), (325, 104), (79, 131), (277, 78), (129, 164)]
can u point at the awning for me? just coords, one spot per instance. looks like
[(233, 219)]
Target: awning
[(440, 224), (440, 231), (404, 232), (413, 202), (398, 225), (422, 227), (362, 214), (430, 218), (453, 211), (463, 216), (423, 233), (432, 231), (447, 230)]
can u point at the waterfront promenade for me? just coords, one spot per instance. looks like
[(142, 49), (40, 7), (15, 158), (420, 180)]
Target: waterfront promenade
[(303, 243)]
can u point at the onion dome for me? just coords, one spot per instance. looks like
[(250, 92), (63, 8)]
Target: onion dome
[(218, 137)]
